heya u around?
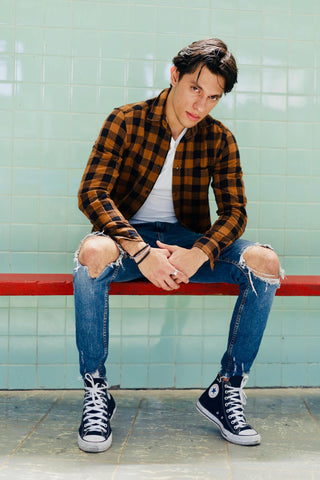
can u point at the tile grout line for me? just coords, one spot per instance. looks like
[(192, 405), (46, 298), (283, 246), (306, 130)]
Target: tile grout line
[(127, 439), (229, 460), (310, 413), (15, 450)]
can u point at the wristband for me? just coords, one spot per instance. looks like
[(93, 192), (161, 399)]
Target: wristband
[(145, 250), (137, 263), (137, 254)]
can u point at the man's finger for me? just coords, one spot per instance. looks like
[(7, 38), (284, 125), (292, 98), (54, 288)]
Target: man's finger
[(171, 248), (179, 277)]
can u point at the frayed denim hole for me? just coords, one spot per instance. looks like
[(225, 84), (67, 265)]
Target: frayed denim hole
[(117, 263), (76, 253), (264, 277)]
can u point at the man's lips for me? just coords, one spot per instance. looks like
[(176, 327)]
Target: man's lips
[(194, 118)]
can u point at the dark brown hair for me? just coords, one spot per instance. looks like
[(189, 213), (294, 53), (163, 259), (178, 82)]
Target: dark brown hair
[(212, 53)]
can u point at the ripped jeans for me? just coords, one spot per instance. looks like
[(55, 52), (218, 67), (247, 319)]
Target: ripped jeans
[(249, 317)]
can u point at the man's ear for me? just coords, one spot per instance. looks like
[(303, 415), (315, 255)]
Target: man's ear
[(174, 75)]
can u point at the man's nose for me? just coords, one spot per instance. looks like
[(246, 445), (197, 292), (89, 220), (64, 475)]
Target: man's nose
[(200, 104)]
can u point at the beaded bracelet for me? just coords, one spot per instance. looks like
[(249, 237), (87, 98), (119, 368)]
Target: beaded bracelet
[(137, 263)]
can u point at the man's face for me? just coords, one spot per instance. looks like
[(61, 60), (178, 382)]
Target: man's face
[(192, 97)]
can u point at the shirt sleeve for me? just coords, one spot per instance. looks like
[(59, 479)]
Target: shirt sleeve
[(228, 187), (99, 178)]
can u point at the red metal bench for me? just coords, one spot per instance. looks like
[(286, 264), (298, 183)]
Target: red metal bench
[(61, 284)]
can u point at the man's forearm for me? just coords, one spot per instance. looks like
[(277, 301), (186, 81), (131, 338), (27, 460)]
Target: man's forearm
[(131, 247)]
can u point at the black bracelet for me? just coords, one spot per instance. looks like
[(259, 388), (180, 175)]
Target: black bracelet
[(143, 257), (140, 251)]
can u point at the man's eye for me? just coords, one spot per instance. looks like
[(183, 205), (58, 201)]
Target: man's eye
[(195, 89)]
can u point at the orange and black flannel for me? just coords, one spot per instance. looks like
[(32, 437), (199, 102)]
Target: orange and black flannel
[(128, 156)]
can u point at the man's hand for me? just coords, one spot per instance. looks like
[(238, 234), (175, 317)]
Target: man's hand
[(156, 266), (187, 261), (158, 269)]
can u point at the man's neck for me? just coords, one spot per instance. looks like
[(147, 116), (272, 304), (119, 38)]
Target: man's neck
[(174, 125)]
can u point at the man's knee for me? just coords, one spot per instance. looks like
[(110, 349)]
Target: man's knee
[(97, 252), (263, 261)]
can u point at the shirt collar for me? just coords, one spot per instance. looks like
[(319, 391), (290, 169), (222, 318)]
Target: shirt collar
[(156, 113)]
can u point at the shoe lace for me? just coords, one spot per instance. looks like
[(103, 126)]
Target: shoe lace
[(95, 406), (235, 399)]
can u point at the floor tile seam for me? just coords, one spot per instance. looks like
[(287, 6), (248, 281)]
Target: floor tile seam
[(22, 442), (127, 438), (310, 413), (228, 460), (281, 469)]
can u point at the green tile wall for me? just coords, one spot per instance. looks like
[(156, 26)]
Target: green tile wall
[(64, 64)]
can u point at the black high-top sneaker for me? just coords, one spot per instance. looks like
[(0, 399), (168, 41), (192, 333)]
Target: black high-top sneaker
[(98, 409), (222, 403)]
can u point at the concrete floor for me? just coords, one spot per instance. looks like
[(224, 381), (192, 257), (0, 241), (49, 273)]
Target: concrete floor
[(159, 435)]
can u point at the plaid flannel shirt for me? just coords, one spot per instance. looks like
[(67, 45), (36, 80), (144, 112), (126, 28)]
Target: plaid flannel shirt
[(128, 156)]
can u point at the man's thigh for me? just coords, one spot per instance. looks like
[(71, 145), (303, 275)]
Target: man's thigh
[(226, 265), (176, 234)]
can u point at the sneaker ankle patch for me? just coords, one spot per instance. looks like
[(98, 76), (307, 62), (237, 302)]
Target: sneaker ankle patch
[(213, 390)]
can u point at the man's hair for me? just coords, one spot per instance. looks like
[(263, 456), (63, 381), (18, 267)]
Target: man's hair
[(211, 53)]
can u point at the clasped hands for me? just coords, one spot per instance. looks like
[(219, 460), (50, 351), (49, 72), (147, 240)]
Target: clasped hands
[(169, 265)]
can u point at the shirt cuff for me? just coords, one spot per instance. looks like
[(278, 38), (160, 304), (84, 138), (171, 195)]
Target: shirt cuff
[(210, 247)]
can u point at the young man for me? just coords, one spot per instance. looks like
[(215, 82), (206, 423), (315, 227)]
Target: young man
[(145, 190)]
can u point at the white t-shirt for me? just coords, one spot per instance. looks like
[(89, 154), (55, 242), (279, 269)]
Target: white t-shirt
[(159, 204)]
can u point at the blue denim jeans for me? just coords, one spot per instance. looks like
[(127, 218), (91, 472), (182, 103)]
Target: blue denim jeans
[(249, 317)]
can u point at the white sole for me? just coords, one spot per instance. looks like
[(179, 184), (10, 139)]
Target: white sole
[(236, 439), (94, 447)]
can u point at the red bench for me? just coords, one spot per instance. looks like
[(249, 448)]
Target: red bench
[(61, 284)]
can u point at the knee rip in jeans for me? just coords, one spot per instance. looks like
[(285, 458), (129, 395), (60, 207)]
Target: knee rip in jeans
[(268, 278), (116, 263)]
